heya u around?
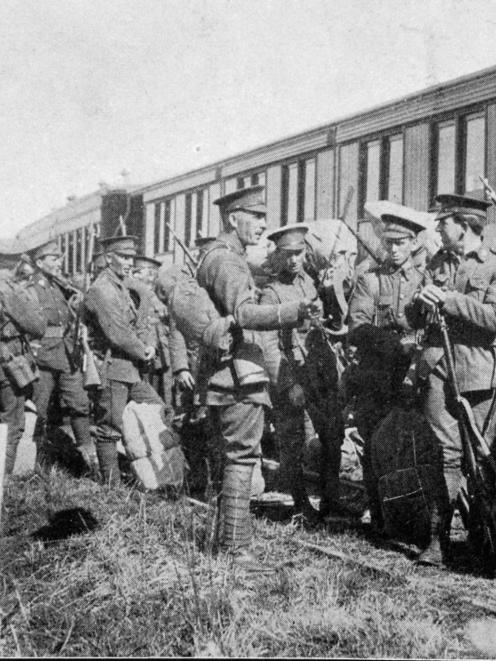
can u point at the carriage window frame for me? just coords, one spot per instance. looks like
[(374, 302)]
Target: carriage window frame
[(296, 182), (459, 118)]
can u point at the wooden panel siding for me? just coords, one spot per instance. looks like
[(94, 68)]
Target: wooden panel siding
[(491, 154), (325, 184), (278, 151), (179, 184), (420, 106), (348, 176), (274, 196), (416, 160)]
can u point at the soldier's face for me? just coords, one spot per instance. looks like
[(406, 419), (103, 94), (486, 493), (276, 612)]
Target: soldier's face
[(120, 264), (399, 250), (451, 233), (293, 260), (249, 226), (50, 264)]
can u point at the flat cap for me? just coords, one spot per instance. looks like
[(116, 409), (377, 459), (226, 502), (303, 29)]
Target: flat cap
[(124, 245), (402, 226), (49, 248), (449, 204), (142, 262), (250, 199), (289, 237)]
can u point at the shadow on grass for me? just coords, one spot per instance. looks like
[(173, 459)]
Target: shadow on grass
[(66, 523)]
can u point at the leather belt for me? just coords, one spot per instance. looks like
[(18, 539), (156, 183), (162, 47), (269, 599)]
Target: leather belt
[(54, 331)]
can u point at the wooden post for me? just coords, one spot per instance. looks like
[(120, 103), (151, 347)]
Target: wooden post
[(3, 454)]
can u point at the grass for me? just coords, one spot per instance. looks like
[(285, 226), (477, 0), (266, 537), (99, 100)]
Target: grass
[(141, 579)]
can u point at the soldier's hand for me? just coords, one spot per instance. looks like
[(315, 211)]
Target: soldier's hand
[(75, 300), (296, 396), (309, 309), (185, 380), (432, 296), (149, 353)]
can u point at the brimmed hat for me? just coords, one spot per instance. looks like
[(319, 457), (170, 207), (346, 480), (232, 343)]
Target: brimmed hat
[(250, 199), (449, 204), (143, 261), (49, 248), (289, 237), (395, 221), (124, 245)]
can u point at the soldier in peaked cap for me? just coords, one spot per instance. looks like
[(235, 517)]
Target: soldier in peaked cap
[(237, 396), (380, 329), (304, 377), (460, 281), (123, 352), (55, 352), (153, 317)]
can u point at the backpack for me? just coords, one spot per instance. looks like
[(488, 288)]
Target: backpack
[(192, 309)]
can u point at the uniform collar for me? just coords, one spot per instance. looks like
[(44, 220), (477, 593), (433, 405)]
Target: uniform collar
[(232, 240), (405, 269), (113, 277)]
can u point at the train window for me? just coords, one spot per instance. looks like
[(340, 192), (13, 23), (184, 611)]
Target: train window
[(373, 171), (167, 219), (230, 185), (70, 253), (395, 169), (188, 219), (79, 250), (290, 193), (240, 183), (199, 212), (474, 150), (156, 228), (309, 189), (445, 171)]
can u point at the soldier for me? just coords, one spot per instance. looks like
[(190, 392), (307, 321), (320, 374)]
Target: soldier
[(460, 281), (20, 318), (293, 357), (154, 315), (385, 340), (55, 352), (237, 390), (112, 318)]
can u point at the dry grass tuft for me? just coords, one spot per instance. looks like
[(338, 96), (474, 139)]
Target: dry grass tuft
[(143, 579)]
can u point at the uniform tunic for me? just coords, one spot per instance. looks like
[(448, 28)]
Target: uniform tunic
[(54, 352), (237, 410), (379, 302), (112, 317), (301, 356), (20, 318), (470, 306)]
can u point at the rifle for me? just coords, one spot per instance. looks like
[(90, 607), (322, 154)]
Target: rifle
[(182, 245), (479, 465), (488, 189), (91, 377)]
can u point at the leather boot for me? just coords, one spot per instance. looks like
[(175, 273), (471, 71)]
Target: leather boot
[(85, 445), (109, 463), (330, 505), (235, 517), (437, 552)]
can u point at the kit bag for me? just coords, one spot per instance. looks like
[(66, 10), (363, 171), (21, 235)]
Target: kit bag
[(153, 450)]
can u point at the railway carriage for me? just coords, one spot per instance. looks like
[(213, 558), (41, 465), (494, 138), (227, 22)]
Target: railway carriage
[(438, 140)]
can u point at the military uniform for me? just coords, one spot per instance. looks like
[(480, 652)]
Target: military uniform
[(386, 341), (301, 357), (112, 318), (55, 356), (237, 398), (470, 309), (20, 319)]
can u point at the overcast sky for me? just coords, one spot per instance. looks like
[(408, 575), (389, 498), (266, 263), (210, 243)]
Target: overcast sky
[(158, 87)]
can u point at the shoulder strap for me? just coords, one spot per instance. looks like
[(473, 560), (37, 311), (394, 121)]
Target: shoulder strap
[(217, 245)]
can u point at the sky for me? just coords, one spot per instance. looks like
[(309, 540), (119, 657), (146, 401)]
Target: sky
[(89, 88)]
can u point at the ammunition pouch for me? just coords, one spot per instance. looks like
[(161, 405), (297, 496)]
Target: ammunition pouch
[(21, 370)]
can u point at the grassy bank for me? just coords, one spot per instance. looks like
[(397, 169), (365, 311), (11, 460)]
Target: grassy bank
[(140, 579)]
